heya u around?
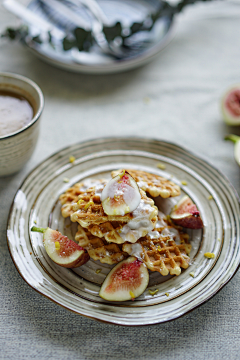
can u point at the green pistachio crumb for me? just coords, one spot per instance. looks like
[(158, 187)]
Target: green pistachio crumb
[(146, 100), (209, 255), (161, 166), (153, 292)]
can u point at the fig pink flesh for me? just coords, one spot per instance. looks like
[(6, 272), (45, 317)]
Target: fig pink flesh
[(232, 102), (128, 276), (67, 246), (186, 214), (121, 195), (188, 207)]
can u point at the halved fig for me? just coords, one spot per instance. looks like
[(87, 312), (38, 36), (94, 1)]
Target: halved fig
[(126, 281), (186, 214), (121, 195), (231, 106), (61, 249)]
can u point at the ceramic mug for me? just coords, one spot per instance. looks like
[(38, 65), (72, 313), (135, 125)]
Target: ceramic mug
[(17, 147)]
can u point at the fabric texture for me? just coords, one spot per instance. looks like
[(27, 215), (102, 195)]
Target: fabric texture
[(176, 98)]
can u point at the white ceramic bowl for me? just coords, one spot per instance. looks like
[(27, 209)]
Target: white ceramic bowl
[(16, 148)]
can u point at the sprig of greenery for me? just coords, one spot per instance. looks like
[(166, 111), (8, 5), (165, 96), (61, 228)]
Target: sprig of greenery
[(83, 39)]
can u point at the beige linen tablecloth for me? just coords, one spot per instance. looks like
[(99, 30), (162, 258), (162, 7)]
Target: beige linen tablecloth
[(175, 98)]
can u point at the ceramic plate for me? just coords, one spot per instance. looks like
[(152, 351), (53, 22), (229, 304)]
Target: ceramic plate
[(36, 202), (145, 45)]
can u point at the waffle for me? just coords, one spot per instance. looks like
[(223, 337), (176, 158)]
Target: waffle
[(71, 195), (88, 210), (99, 249), (160, 250), (114, 231), (153, 184)]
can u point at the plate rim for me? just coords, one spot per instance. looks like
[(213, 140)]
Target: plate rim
[(121, 138)]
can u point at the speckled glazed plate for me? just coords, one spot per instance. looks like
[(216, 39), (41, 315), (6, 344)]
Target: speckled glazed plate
[(36, 201)]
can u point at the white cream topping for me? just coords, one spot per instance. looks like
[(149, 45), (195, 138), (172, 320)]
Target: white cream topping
[(90, 183), (142, 184), (153, 234), (135, 250), (140, 224), (99, 188), (161, 220)]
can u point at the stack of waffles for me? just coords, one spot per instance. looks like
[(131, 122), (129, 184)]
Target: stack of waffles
[(145, 232)]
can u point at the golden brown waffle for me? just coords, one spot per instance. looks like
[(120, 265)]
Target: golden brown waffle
[(99, 249), (88, 210), (111, 231), (164, 250), (71, 195), (153, 184)]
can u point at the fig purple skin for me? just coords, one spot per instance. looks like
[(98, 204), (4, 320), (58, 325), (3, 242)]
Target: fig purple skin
[(186, 214), (231, 106)]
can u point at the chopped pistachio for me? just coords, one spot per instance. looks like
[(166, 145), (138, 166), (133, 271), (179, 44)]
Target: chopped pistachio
[(98, 271), (167, 294), (66, 180), (116, 197), (153, 292), (88, 204), (132, 294), (35, 221), (146, 100), (161, 166), (57, 245), (159, 248), (71, 159), (210, 197), (184, 182), (191, 274), (209, 255), (219, 239), (122, 174)]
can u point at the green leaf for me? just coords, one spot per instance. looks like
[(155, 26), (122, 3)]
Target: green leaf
[(68, 44), (136, 27), (111, 32), (37, 39), (84, 39)]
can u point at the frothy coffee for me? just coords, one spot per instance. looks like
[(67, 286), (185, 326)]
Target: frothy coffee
[(15, 112)]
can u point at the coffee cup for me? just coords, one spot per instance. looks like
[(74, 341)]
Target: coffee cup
[(19, 130)]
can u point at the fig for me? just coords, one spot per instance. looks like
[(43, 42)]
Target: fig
[(186, 214), (231, 106), (61, 249), (126, 281), (235, 139), (121, 195)]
